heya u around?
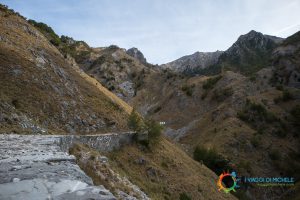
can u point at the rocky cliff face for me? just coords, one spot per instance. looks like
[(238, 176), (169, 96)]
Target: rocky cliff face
[(137, 54), (121, 73), (197, 61)]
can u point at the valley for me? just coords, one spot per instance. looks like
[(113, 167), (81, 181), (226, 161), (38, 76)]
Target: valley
[(236, 109)]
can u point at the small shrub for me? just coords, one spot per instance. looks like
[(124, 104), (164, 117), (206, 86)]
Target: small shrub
[(111, 88), (164, 164), (221, 95), (277, 100), (264, 101), (295, 112), (92, 157), (252, 78), (203, 96), (255, 141), (133, 75), (157, 109), (279, 87), (260, 118), (140, 126), (16, 103), (256, 112), (286, 95), (280, 133), (154, 130), (211, 82), (47, 31), (188, 89), (211, 159), (184, 196), (274, 154), (135, 121)]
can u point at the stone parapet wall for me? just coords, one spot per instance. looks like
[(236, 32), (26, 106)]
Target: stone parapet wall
[(105, 142)]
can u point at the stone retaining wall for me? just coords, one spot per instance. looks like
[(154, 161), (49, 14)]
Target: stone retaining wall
[(104, 142)]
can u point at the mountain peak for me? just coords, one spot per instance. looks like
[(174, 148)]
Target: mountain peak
[(136, 53), (251, 35), (259, 36), (254, 32)]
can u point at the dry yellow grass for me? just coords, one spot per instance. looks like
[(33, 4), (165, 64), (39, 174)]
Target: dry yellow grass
[(48, 91), (127, 108), (166, 172), (163, 173)]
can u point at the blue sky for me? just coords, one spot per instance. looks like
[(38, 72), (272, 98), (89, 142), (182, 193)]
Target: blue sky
[(163, 30)]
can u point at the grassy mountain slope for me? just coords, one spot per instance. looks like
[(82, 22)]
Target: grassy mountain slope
[(121, 71), (164, 172), (112, 66), (42, 92), (244, 119)]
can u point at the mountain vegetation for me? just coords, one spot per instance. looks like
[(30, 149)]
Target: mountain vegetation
[(237, 109)]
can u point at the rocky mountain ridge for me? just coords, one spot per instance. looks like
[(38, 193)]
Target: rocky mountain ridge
[(247, 55), (198, 60)]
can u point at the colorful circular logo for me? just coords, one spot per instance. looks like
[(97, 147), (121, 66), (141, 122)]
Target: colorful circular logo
[(225, 188)]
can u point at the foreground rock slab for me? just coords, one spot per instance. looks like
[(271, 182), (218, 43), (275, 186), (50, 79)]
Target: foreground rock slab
[(34, 167)]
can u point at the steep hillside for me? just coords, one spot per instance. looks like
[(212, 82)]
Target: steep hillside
[(191, 63), (164, 172), (43, 93), (120, 71), (244, 120)]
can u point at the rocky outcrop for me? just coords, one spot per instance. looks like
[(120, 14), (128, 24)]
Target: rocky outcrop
[(35, 167), (134, 52), (196, 61)]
